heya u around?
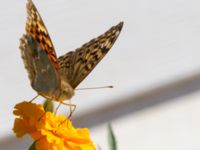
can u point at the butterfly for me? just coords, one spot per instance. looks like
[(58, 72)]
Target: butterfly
[(57, 77)]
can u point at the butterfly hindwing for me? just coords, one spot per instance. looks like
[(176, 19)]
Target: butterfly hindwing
[(76, 65)]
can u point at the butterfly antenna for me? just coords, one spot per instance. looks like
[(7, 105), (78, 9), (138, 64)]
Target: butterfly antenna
[(92, 88)]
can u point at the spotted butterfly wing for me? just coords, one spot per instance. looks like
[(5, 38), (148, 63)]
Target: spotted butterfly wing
[(76, 65), (38, 54), (36, 28)]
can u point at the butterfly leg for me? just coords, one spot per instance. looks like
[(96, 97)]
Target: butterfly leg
[(71, 111), (72, 108), (57, 107), (33, 98)]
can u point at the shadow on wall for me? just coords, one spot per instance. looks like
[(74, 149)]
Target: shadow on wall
[(137, 102), (13, 143)]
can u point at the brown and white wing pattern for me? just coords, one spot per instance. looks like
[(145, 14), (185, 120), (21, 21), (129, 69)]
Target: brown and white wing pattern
[(76, 65)]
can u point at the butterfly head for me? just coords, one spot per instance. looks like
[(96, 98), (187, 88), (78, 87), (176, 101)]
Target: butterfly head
[(66, 91)]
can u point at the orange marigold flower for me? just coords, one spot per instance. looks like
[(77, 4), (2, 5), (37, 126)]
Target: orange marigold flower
[(50, 132), (28, 116)]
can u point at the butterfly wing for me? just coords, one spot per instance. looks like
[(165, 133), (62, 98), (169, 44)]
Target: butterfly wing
[(36, 28), (76, 65), (38, 54), (44, 78)]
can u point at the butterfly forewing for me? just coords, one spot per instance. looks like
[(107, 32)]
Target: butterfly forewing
[(38, 54), (36, 28), (43, 76), (75, 66)]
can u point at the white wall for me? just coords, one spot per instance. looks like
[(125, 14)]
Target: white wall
[(159, 43)]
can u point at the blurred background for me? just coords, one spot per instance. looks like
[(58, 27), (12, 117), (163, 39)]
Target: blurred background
[(154, 67)]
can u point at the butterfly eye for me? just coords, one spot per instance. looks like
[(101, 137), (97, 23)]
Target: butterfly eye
[(66, 93)]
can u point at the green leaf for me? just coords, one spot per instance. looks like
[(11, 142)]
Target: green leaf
[(48, 105), (111, 138), (32, 147)]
